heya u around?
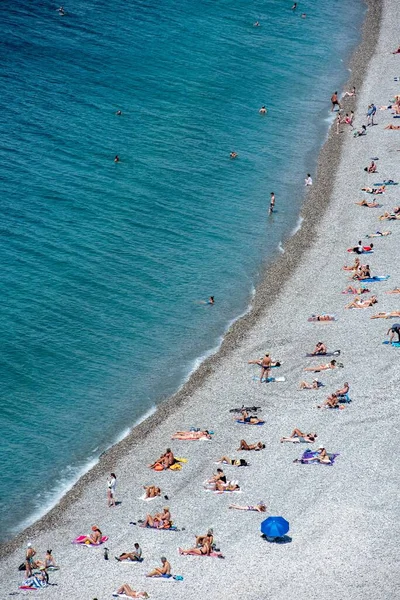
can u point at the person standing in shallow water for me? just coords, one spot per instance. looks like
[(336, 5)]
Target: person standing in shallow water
[(335, 102), (272, 203)]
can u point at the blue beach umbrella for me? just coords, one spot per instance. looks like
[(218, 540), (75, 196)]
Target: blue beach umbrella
[(274, 527)]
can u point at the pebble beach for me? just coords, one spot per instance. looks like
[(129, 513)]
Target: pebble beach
[(343, 517)]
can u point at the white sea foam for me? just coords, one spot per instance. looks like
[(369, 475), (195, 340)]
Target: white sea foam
[(297, 227), (281, 248)]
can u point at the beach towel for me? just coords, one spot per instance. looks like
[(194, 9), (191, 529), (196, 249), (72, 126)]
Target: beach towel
[(143, 497), (172, 528), (32, 583), (334, 353), (269, 379), (168, 577), (389, 182), (375, 278), (395, 344), (307, 454), (246, 408), (81, 540), (244, 423)]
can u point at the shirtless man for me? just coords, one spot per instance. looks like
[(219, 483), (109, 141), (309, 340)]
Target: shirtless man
[(335, 101), (136, 555), (166, 460), (265, 364), (164, 570), (343, 391), (159, 521), (320, 348), (263, 110), (394, 329)]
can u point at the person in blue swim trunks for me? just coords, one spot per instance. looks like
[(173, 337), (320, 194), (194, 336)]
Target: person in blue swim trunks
[(163, 571)]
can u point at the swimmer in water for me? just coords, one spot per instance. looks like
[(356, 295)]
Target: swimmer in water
[(263, 110), (303, 16), (272, 203), (211, 300), (61, 11), (119, 113), (233, 154), (294, 6), (256, 24), (116, 159)]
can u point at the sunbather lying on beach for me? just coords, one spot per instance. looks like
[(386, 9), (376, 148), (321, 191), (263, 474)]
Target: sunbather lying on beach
[(136, 555), (322, 457), (245, 446), (94, 538), (131, 593), (393, 216), (247, 418), (386, 315), (332, 401), (260, 507), (391, 126), (370, 190), (165, 461), (152, 491), (363, 202), (353, 290), (219, 483), (192, 435), (322, 318), (325, 367), (378, 234), (320, 348), (395, 291), (358, 303), (164, 570), (298, 436), (233, 462), (159, 521), (304, 385)]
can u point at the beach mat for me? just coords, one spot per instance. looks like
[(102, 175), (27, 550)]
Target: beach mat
[(307, 454), (335, 353), (80, 540), (244, 423), (375, 278), (172, 528), (395, 344), (269, 379), (387, 183)]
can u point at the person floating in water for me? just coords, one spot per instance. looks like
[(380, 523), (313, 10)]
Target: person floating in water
[(294, 6), (62, 11), (119, 113), (116, 159), (272, 203), (263, 110), (211, 300), (233, 154), (256, 24)]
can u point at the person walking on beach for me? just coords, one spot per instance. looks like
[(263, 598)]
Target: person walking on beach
[(335, 102), (111, 485), (272, 203), (370, 114)]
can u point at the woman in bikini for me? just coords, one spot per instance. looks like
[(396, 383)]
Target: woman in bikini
[(354, 267), (260, 507), (131, 593), (386, 315), (358, 303), (298, 436), (204, 550), (191, 435), (152, 491), (353, 290), (245, 446), (326, 367), (94, 538), (304, 385), (367, 204)]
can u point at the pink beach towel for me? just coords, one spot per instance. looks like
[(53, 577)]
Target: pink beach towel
[(81, 540)]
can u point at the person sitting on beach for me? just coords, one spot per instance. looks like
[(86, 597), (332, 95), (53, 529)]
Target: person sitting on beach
[(260, 507), (233, 462), (218, 476), (322, 318), (391, 126), (308, 180), (247, 418), (371, 168), (94, 538), (245, 446), (363, 273), (332, 401), (322, 457), (320, 348), (131, 593), (358, 303), (192, 435), (36, 582), (165, 461), (208, 538), (163, 571), (363, 202), (204, 550), (136, 555), (304, 385), (159, 521), (151, 491), (395, 291), (354, 267), (386, 315), (298, 436), (352, 93), (360, 132), (48, 561), (353, 290), (325, 367)]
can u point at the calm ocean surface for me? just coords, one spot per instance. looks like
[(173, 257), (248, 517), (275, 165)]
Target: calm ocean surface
[(104, 265)]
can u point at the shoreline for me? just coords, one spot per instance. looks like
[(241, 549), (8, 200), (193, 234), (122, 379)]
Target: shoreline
[(273, 278)]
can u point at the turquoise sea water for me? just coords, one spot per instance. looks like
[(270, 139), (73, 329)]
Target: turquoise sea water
[(104, 265)]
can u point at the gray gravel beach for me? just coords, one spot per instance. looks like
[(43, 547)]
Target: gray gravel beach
[(343, 518)]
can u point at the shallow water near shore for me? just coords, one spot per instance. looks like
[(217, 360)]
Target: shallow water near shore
[(106, 266)]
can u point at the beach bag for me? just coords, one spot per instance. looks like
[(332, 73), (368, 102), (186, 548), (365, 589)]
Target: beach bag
[(158, 468), (21, 567)]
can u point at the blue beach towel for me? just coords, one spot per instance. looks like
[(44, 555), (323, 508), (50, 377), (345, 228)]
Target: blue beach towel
[(307, 454), (244, 423), (375, 278)]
